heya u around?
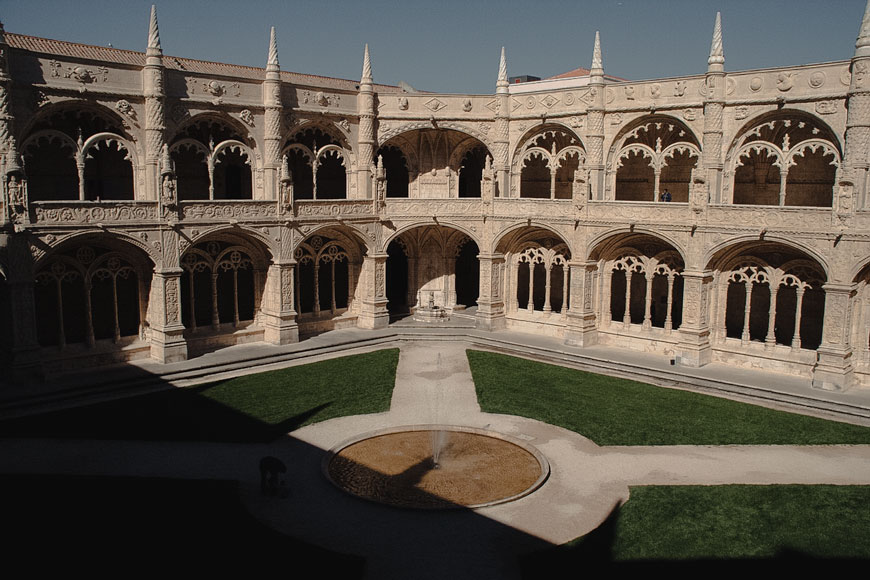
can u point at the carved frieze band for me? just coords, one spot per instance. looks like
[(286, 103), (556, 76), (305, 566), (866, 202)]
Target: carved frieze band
[(45, 212), (210, 210)]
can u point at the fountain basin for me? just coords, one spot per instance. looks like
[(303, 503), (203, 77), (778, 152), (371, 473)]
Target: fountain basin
[(475, 468)]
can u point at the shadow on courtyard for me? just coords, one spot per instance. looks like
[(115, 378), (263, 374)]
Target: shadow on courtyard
[(178, 513)]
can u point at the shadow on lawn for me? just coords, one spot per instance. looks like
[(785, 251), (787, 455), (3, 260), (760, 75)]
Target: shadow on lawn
[(174, 415), (595, 551)]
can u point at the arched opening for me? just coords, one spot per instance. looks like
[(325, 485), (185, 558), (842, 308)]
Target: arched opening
[(436, 262), (535, 177), (317, 159), (546, 162), (471, 172), (435, 164), (566, 166), (299, 162), (397, 279), (467, 274), (93, 291), (537, 277), (810, 181), (328, 267), (635, 177), (641, 283), (213, 160), (396, 168), (757, 178), (787, 158), (218, 286), (49, 161), (768, 293), (191, 170), (58, 167), (654, 159), (108, 172), (232, 174), (331, 176)]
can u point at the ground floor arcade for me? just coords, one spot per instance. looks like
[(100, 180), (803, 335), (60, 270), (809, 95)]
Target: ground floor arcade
[(100, 298)]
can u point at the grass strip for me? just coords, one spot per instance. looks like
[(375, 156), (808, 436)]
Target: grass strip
[(251, 408), (614, 411), (730, 527)]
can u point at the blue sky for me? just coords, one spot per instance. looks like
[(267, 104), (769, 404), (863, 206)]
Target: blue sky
[(453, 46)]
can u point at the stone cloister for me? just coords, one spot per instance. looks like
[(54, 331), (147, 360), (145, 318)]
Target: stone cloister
[(161, 207)]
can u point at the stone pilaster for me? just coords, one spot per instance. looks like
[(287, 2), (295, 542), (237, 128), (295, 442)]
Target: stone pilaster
[(694, 341), (373, 288), (155, 114), (490, 300), (278, 315), (272, 129), (581, 329), (25, 356), (366, 139), (714, 106), (167, 331), (834, 367), (595, 123)]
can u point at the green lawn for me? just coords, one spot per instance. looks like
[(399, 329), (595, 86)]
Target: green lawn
[(614, 411), (735, 527), (252, 408)]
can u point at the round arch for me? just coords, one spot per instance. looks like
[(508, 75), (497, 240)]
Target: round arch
[(598, 243), (721, 251), (444, 224)]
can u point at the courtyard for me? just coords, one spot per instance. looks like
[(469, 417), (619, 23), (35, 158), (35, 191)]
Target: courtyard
[(694, 486)]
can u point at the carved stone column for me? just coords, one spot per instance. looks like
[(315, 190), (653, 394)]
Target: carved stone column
[(595, 121), (694, 342), (857, 136), (714, 106), (367, 138), (834, 368), (490, 301), (167, 331), (155, 115), (373, 288), (272, 128), (278, 315), (501, 135), (581, 329)]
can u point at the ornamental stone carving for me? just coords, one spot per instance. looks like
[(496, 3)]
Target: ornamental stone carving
[(785, 81), (247, 116), (102, 212), (826, 107), (225, 210)]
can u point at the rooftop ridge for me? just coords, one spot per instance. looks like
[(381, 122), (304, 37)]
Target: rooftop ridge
[(169, 60)]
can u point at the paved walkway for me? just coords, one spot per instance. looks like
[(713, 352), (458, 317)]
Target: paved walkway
[(433, 385)]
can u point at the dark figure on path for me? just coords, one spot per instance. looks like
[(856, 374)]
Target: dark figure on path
[(270, 468)]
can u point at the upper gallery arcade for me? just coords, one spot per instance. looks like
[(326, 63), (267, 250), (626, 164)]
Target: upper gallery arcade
[(157, 206)]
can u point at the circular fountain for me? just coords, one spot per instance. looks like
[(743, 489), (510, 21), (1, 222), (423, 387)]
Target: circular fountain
[(436, 467)]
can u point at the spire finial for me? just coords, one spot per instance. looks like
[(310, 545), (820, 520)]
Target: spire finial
[(367, 67), (154, 48), (597, 64), (862, 45), (502, 81), (717, 55), (272, 62)]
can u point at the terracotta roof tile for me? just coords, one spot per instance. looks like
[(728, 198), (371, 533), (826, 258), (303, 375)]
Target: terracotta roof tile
[(577, 72)]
